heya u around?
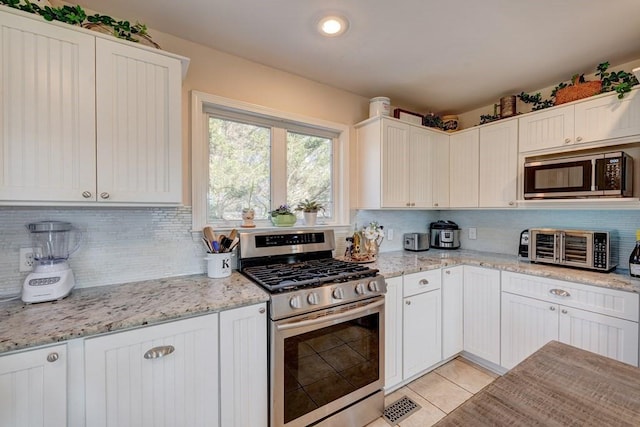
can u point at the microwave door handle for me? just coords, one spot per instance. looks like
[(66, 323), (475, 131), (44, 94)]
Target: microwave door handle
[(594, 171)]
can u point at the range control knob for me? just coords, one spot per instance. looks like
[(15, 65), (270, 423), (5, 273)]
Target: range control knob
[(373, 286), (338, 293), (360, 289), (312, 298), (295, 302)]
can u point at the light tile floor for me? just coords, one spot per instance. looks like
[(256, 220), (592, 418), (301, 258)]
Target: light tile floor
[(439, 392)]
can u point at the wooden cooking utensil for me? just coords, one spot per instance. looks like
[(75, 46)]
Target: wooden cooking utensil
[(209, 234)]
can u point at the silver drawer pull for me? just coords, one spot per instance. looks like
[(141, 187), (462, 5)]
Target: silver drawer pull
[(52, 357), (559, 293), (158, 352), (423, 282)]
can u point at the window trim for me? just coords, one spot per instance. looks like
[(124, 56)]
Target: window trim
[(201, 101)]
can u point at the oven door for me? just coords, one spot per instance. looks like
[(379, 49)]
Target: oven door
[(324, 361), (560, 178), (577, 248)]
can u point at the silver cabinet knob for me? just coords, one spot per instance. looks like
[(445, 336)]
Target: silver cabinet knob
[(564, 311), (262, 310), (447, 272), (158, 352), (413, 204), (408, 204), (408, 302), (552, 308), (52, 357), (579, 139), (104, 195), (435, 204), (86, 194), (511, 203), (567, 140)]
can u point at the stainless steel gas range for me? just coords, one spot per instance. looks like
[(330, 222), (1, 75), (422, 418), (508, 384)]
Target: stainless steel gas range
[(326, 329)]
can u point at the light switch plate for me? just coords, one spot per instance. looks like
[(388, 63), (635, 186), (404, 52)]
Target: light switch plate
[(473, 233)]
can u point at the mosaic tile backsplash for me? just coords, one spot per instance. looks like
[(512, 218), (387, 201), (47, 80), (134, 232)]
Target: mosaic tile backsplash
[(130, 244)]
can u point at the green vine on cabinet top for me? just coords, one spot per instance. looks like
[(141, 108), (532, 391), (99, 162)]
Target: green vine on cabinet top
[(75, 15)]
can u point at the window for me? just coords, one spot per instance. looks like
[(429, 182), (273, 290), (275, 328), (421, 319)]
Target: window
[(248, 156)]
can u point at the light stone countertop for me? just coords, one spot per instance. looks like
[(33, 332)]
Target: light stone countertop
[(92, 311), (97, 310)]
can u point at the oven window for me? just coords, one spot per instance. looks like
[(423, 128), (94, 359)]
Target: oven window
[(326, 364)]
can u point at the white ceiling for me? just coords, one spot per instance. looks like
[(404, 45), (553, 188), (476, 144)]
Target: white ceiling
[(447, 56)]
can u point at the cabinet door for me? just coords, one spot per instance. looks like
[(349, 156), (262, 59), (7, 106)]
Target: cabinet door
[(139, 137), (395, 166), (420, 168), (33, 386), (158, 375), (605, 335), (47, 112), (498, 165), (452, 303), (440, 170), (527, 325), (546, 129), (607, 117), (243, 367), (422, 341), (393, 333), (482, 313), (464, 162)]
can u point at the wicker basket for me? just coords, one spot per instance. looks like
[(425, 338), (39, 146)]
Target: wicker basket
[(577, 91)]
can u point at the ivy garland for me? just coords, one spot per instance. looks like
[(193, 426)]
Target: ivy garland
[(75, 15)]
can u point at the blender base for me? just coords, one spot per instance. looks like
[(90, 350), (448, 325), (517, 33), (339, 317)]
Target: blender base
[(41, 286)]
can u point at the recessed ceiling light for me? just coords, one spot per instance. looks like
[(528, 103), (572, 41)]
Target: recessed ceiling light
[(332, 26)]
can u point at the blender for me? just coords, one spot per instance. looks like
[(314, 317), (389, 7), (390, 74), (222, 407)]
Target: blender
[(52, 278)]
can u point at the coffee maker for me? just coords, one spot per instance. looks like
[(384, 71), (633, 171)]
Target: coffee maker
[(52, 278)]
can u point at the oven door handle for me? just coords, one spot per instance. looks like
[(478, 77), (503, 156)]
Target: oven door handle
[(329, 318)]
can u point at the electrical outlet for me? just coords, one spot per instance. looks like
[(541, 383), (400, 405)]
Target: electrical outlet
[(473, 235), (26, 259), (390, 234)]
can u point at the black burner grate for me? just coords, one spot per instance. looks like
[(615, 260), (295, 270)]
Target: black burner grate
[(276, 277)]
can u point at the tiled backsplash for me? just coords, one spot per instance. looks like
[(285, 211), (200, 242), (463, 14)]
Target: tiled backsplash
[(125, 244)]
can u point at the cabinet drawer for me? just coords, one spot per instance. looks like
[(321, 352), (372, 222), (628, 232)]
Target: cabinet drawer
[(611, 302), (424, 281)]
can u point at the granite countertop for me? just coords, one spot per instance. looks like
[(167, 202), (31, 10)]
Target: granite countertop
[(558, 385), (397, 263), (92, 311)]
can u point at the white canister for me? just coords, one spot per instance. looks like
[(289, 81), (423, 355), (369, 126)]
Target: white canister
[(219, 265), (379, 106)]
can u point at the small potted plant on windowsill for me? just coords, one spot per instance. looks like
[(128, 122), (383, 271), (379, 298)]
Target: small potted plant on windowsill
[(283, 217), (310, 210)]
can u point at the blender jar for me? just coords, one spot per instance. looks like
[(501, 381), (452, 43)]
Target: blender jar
[(51, 240)]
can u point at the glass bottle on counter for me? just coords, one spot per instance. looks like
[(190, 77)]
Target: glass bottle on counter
[(634, 258)]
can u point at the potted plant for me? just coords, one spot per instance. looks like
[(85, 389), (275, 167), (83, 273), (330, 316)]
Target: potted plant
[(310, 210), (283, 217)]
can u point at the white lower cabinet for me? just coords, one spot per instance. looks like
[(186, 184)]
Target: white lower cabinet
[(33, 388), (452, 306), (536, 310), (158, 375), (421, 321), (393, 333), (243, 367), (482, 313)]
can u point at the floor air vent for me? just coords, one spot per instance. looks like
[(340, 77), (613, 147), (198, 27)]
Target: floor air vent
[(400, 410)]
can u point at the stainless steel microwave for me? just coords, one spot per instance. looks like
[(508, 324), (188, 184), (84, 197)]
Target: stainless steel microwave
[(594, 175), (591, 250)]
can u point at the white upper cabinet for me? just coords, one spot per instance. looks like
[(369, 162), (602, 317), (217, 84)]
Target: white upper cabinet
[(401, 165), (47, 117), (498, 165), (86, 119), (464, 163), (590, 120), (607, 117), (139, 125)]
